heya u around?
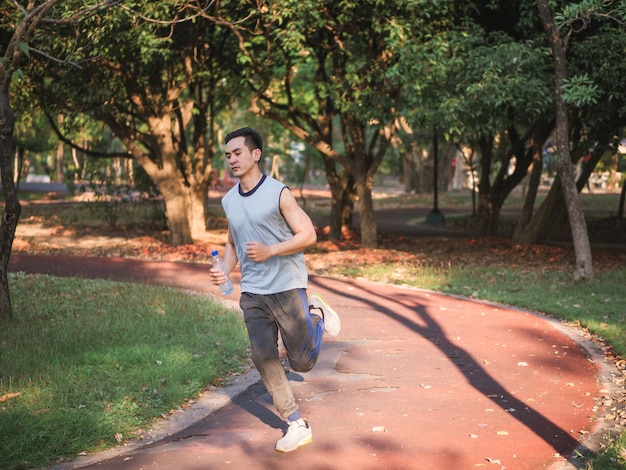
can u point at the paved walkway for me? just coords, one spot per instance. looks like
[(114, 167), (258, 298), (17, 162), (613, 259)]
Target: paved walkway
[(415, 380)]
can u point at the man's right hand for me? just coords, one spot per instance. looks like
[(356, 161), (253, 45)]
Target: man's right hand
[(217, 276)]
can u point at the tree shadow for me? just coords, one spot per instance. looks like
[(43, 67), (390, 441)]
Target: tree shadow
[(423, 323)]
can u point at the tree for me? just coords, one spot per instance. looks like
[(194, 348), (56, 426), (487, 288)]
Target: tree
[(573, 18), (332, 73), (16, 52), (567, 176), (492, 96), (155, 75), (595, 94)]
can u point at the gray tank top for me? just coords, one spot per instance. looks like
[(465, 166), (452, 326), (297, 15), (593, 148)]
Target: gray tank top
[(256, 216)]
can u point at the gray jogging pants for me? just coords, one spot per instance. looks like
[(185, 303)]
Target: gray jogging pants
[(302, 332)]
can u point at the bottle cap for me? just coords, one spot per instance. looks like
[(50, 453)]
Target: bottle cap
[(214, 253)]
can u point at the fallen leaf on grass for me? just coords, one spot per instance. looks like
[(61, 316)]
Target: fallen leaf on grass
[(8, 396)]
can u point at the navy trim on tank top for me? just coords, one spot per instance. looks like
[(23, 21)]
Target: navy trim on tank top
[(253, 190)]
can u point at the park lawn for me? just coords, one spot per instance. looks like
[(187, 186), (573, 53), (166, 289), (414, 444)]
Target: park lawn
[(88, 364)]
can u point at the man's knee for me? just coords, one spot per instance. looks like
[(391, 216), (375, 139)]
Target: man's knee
[(303, 365)]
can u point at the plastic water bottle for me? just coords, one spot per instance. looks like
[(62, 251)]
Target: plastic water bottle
[(227, 286)]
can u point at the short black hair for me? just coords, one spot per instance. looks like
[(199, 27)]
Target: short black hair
[(253, 139)]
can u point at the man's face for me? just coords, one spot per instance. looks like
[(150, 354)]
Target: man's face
[(239, 157)]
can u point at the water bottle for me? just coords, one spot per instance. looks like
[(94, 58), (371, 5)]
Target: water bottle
[(227, 286)]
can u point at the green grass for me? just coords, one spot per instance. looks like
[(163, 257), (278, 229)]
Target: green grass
[(146, 215), (613, 458), (93, 362), (604, 203)]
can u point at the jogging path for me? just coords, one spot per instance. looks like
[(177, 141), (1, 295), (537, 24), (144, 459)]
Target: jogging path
[(415, 380)]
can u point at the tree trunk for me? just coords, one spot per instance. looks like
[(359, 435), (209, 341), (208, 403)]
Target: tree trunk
[(567, 174), (410, 173), (198, 195), (487, 213), (176, 197), (534, 180), (59, 156), (341, 206), (176, 213), (551, 212), (12, 208), (486, 224), (342, 198), (162, 166), (622, 196), (334, 221), (348, 197), (417, 170), (367, 221)]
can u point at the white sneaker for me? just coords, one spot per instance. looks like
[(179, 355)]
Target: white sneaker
[(332, 322), (298, 434)]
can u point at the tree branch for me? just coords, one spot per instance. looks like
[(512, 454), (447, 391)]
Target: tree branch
[(91, 153)]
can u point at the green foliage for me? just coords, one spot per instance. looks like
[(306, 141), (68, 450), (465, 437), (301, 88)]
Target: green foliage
[(580, 90), (95, 362), (599, 59), (34, 135), (487, 81), (577, 15), (357, 55)]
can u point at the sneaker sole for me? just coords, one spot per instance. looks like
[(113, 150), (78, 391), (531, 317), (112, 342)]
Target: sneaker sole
[(335, 321), (301, 443)]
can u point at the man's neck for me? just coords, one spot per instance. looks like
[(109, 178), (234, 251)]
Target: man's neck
[(251, 179)]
